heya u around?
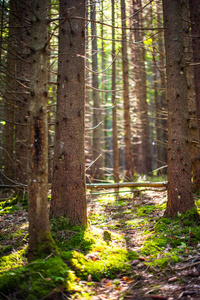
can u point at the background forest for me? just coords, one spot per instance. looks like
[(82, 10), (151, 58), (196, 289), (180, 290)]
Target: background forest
[(94, 93)]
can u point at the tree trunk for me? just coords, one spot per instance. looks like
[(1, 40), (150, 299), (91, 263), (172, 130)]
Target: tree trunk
[(22, 88), (163, 96), (10, 98), (97, 166), (180, 197), (114, 110), (195, 26), (193, 123), (40, 240), (68, 185), (129, 164), (135, 59), (88, 113), (144, 165)]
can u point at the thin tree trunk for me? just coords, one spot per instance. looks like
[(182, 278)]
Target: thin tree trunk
[(129, 164), (9, 98), (88, 114), (180, 197), (135, 58), (163, 96), (68, 185), (22, 85), (97, 166), (146, 151), (114, 110), (40, 240)]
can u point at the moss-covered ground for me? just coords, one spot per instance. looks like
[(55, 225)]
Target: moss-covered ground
[(128, 249)]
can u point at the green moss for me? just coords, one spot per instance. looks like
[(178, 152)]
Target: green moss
[(5, 249), (164, 260), (38, 279), (45, 246), (9, 206), (60, 223), (109, 263), (13, 260), (74, 237), (145, 210), (190, 217)]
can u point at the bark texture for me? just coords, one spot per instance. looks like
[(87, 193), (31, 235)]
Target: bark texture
[(195, 26), (193, 123), (68, 184), (10, 98), (40, 240), (163, 96), (114, 110), (22, 87), (129, 164), (144, 163), (180, 197), (97, 166)]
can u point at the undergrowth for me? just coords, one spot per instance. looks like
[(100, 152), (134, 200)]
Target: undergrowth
[(104, 250)]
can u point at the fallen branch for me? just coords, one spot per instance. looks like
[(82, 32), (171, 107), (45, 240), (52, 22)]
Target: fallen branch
[(98, 186)]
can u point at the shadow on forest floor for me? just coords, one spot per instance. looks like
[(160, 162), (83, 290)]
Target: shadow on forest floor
[(129, 251)]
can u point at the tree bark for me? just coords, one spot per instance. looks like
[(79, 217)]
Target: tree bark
[(180, 197), (68, 185), (97, 166), (129, 164), (88, 113), (195, 26), (135, 58), (163, 96), (193, 123), (10, 99), (40, 240), (22, 87), (114, 110)]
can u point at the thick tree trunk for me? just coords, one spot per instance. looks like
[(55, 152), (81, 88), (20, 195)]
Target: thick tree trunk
[(195, 26), (114, 110), (97, 166), (180, 197), (40, 240), (129, 164), (23, 77), (68, 185), (193, 123)]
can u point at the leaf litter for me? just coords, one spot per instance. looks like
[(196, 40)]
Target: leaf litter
[(134, 218)]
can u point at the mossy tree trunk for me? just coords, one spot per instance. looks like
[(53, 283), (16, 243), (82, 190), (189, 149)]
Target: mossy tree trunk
[(68, 184), (180, 197), (40, 240)]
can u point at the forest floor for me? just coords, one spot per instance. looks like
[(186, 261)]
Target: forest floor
[(167, 253)]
